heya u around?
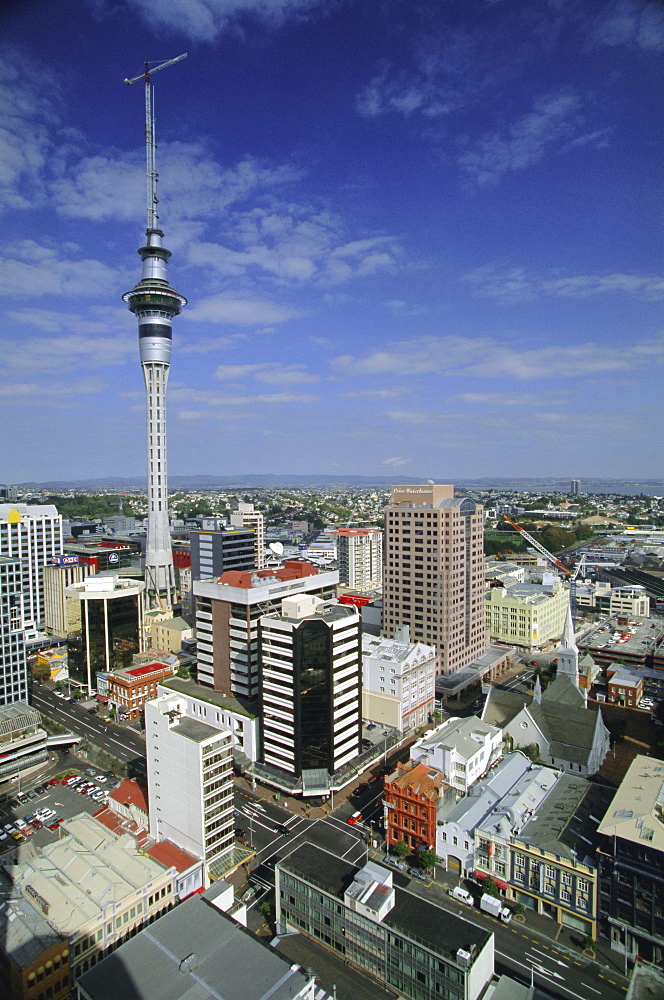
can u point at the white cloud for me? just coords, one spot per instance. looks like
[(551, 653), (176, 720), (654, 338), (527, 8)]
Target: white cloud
[(39, 394), (55, 355), (555, 119), (195, 185), (239, 312), (512, 398), (632, 23), (394, 393), (489, 358), (32, 269), (295, 244), (29, 96), (516, 285), (408, 416), (210, 345), (270, 373), (205, 20), (395, 462)]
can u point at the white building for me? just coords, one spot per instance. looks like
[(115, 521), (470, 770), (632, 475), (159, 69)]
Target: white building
[(220, 711), (32, 534), (246, 517), (360, 557), (190, 781), (528, 615), (13, 664), (462, 749), (631, 600), (398, 681), (311, 689)]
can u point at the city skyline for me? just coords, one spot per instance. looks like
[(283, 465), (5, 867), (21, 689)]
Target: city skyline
[(415, 237)]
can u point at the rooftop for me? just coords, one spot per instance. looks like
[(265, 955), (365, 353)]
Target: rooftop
[(194, 952), (206, 694), (566, 822), (637, 810), (419, 778), (439, 930)]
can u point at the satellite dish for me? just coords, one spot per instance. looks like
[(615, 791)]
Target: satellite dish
[(277, 548)]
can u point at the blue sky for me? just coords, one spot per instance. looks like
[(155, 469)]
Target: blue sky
[(416, 236)]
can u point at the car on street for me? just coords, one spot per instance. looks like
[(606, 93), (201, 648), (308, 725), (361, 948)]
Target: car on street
[(284, 830), (418, 874), (352, 820), (395, 862)]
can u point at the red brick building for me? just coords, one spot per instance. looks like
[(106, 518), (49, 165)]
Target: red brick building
[(410, 798), (129, 689)]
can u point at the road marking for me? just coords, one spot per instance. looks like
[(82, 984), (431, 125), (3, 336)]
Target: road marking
[(592, 988), (558, 961)]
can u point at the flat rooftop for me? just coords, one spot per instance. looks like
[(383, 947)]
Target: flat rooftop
[(414, 917)]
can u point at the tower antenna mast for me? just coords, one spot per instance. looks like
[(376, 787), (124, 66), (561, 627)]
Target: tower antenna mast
[(150, 144)]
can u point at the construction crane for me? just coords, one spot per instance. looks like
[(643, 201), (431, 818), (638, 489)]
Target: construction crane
[(552, 559), (150, 144)]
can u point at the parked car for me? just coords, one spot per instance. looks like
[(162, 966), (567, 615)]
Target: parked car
[(418, 874), (352, 820), (395, 862)]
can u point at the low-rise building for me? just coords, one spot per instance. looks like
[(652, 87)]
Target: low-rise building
[(461, 749), (411, 794), (624, 685), (34, 958), (542, 852), (129, 689), (198, 951), (400, 939), (631, 600), (169, 633), (515, 784), (398, 681), (96, 889)]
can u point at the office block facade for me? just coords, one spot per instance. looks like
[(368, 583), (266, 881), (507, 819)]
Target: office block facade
[(227, 615), (33, 534), (64, 571), (215, 550), (398, 681), (360, 557), (104, 624), (418, 948), (246, 517), (13, 664), (433, 573), (311, 692)]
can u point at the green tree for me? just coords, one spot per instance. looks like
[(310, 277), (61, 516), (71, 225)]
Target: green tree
[(427, 859), (401, 849), (490, 887), (531, 750)]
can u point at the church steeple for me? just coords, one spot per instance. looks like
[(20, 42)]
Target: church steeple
[(568, 653)]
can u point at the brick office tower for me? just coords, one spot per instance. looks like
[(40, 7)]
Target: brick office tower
[(433, 572)]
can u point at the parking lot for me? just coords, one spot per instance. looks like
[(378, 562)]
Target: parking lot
[(37, 813)]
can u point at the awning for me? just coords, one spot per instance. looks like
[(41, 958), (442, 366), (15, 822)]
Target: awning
[(479, 875)]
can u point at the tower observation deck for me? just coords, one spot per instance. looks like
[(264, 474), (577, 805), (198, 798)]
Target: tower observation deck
[(154, 303)]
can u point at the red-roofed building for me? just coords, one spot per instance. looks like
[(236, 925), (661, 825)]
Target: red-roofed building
[(227, 614), (129, 689), (190, 877), (410, 800)]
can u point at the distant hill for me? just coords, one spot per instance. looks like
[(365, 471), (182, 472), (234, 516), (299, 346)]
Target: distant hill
[(203, 483)]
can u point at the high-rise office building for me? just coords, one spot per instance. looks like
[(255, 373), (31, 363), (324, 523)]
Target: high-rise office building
[(575, 487), (311, 688), (190, 781), (246, 517), (154, 303), (104, 625), (64, 571), (433, 572), (33, 534), (13, 664), (215, 550), (227, 614), (360, 557)]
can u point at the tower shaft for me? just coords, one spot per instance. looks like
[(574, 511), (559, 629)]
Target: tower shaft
[(155, 303)]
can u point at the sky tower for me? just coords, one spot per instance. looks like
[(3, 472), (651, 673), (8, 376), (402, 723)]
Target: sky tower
[(155, 303)]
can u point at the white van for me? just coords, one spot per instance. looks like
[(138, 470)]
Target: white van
[(462, 895)]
